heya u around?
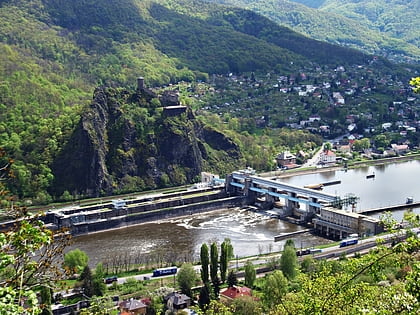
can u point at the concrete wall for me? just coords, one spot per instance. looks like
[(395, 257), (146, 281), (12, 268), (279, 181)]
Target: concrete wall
[(153, 215)]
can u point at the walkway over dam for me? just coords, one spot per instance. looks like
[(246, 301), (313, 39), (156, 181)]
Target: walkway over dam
[(251, 186), (323, 210)]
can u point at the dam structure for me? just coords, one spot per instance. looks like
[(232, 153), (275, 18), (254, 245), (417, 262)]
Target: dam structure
[(318, 210), (122, 213), (321, 210)]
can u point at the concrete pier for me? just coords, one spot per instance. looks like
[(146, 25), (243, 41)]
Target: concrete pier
[(391, 208)]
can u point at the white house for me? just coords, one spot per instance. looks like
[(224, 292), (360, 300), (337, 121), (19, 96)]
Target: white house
[(327, 157)]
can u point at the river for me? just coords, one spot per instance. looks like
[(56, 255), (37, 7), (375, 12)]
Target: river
[(253, 233)]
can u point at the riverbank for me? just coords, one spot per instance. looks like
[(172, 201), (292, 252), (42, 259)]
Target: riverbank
[(338, 167)]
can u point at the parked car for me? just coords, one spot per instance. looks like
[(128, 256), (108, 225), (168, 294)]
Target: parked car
[(110, 280)]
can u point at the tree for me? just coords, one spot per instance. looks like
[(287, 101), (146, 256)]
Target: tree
[(415, 82), (290, 242), (246, 305), (327, 146), (100, 271), (289, 263), (204, 298), (250, 274), (229, 248), (214, 263), (204, 256), (218, 308), (99, 287), (186, 278), (381, 141), (214, 266), (45, 295), (275, 287), (28, 255), (362, 144), (308, 265), (87, 282), (156, 306), (75, 260), (232, 280), (224, 253)]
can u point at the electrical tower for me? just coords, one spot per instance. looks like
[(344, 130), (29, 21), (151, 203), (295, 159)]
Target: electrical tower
[(348, 200)]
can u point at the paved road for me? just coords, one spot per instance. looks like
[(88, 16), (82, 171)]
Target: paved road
[(328, 253)]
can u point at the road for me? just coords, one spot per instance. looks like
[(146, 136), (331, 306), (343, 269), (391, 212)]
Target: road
[(332, 252), (313, 161)]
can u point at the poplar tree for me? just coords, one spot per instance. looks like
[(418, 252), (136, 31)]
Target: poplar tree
[(213, 262), (204, 256), (213, 269), (223, 261)]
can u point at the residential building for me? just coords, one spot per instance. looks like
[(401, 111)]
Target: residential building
[(132, 307), (234, 292), (286, 159), (327, 157), (177, 301)]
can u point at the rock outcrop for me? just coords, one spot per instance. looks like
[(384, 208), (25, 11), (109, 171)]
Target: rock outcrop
[(125, 143)]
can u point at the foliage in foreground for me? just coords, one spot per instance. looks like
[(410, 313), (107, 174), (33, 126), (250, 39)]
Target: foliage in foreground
[(28, 256)]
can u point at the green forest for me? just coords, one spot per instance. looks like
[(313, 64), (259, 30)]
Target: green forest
[(386, 28), (55, 53), (75, 124)]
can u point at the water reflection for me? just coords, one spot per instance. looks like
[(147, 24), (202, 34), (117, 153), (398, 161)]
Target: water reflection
[(392, 183)]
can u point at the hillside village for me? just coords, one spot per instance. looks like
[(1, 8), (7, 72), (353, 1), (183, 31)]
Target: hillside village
[(343, 105)]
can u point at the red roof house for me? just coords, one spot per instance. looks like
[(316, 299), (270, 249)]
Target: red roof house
[(234, 292)]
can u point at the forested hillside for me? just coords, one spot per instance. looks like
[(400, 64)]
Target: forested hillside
[(396, 18), (54, 53), (388, 28)]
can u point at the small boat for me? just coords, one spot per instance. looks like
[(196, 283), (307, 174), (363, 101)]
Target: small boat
[(409, 200), (370, 176), (314, 186)]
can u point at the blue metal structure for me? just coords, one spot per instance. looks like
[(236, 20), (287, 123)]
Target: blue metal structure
[(276, 189)]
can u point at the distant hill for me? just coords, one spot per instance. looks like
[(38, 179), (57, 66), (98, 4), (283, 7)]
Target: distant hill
[(387, 28)]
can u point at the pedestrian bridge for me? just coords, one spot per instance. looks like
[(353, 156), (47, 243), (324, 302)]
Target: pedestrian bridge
[(254, 186)]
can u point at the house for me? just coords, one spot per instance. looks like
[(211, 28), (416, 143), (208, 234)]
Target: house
[(339, 98), (345, 148), (351, 127), (400, 148), (132, 307), (286, 159), (177, 301), (327, 157), (234, 292), (324, 129), (209, 178), (314, 118), (386, 126)]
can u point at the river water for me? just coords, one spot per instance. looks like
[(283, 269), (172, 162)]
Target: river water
[(253, 233)]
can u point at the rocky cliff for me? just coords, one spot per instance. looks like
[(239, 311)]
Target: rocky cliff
[(128, 142)]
